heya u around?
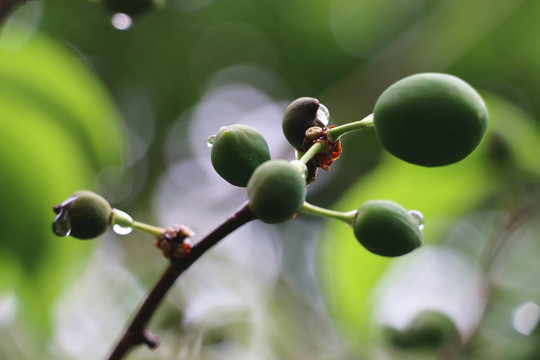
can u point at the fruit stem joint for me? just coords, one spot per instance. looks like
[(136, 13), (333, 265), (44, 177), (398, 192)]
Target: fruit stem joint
[(174, 242), (336, 132), (121, 218), (321, 151)]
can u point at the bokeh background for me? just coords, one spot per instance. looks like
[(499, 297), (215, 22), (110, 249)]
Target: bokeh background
[(123, 106)]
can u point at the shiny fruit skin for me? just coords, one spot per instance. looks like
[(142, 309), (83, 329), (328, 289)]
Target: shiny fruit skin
[(300, 115), (430, 119), (237, 150), (276, 191), (386, 228), (89, 214)]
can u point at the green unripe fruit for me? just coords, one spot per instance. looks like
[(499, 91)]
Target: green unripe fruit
[(237, 150), (84, 215), (430, 119), (276, 191), (386, 228), (429, 330), (134, 7), (299, 116)]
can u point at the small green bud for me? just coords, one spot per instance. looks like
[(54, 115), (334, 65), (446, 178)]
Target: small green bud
[(84, 215), (237, 150), (299, 116), (428, 330), (276, 191), (386, 228), (314, 132), (430, 119)]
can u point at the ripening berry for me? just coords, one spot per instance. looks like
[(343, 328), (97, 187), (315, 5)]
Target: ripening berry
[(237, 150), (386, 228), (84, 215), (299, 116), (276, 191), (430, 119)]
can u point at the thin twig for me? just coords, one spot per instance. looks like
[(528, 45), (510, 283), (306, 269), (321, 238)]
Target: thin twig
[(137, 332)]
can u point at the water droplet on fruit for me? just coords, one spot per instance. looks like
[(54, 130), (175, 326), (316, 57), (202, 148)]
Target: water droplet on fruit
[(121, 21), (210, 141), (302, 168), (418, 217), (62, 224), (122, 221), (323, 115), (122, 230)]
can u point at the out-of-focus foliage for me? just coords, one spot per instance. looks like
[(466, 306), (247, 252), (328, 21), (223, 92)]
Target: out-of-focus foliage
[(180, 73), (58, 128), (485, 181)]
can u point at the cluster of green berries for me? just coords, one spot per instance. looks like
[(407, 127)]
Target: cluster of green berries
[(425, 119)]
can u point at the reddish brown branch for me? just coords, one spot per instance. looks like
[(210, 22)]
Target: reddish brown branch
[(137, 332)]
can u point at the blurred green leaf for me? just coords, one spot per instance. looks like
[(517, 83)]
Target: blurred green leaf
[(52, 78), (349, 272), (353, 23), (58, 128)]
